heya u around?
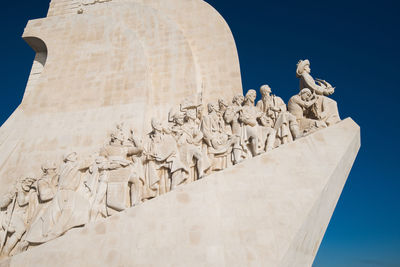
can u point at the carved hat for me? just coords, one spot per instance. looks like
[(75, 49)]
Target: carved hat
[(300, 67)]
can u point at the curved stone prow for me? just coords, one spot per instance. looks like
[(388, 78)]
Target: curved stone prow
[(271, 210), (119, 60)]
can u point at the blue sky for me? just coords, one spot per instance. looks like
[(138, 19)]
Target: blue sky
[(352, 44)]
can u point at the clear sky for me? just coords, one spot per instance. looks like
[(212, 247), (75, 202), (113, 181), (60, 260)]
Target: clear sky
[(354, 45)]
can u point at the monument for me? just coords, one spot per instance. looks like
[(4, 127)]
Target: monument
[(135, 146)]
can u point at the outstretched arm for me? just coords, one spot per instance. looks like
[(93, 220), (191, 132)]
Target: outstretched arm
[(311, 84)]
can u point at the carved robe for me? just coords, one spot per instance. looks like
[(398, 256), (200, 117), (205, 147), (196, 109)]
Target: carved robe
[(231, 116), (214, 133), (280, 119), (119, 175), (219, 143), (324, 104), (190, 148), (69, 208), (251, 131), (164, 160), (20, 208)]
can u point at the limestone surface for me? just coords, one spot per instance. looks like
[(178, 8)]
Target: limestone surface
[(102, 62), (271, 210)]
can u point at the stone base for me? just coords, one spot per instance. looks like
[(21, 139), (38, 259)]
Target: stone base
[(272, 210)]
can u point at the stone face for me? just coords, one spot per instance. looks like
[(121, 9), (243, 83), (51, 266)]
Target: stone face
[(271, 210), (113, 62)]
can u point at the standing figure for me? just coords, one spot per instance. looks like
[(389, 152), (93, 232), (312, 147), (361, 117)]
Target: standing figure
[(176, 118), (162, 161), (47, 187), (119, 171), (137, 179), (213, 132), (20, 205), (190, 143), (231, 117), (327, 107), (222, 107), (271, 106), (275, 113), (219, 142), (98, 187), (249, 116), (69, 207)]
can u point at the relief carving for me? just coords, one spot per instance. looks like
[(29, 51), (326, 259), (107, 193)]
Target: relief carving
[(129, 170)]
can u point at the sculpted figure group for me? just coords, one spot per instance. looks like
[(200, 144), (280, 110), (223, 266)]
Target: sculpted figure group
[(129, 170)]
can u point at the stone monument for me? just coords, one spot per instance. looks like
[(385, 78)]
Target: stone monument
[(134, 146)]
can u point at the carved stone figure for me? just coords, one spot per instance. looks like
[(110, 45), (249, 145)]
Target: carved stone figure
[(276, 117), (219, 142), (322, 88), (19, 205), (47, 187), (47, 184), (214, 135), (190, 143), (69, 207), (222, 106), (302, 106), (119, 171), (176, 118), (271, 106), (232, 114), (97, 184), (162, 160), (249, 116), (137, 177)]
